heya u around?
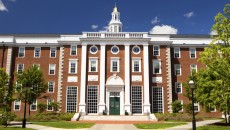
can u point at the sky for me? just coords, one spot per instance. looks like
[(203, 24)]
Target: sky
[(77, 16)]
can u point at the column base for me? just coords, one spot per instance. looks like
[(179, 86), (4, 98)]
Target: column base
[(102, 110), (127, 108), (146, 109), (82, 108)]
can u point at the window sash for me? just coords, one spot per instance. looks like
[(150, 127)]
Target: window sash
[(37, 52), (51, 87), (49, 107), (71, 99), (17, 105), (73, 66), (192, 53), (178, 87), (176, 52), (52, 69), (33, 106), (177, 69), (156, 67), (73, 51), (20, 68), (156, 51), (136, 66), (93, 65), (21, 52), (53, 52)]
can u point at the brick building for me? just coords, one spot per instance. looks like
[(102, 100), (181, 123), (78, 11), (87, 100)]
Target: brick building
[(112, 72)]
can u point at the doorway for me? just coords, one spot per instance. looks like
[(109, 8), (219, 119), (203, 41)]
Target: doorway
[(114, 105)]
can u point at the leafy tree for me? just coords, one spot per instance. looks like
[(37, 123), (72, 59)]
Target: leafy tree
[(212, 85), (176, 106), (55, 105), (41, 107), (33, 84)]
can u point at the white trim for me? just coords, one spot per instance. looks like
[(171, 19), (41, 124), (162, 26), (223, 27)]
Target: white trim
[(191, 68), (118, 64), (174, 52), (53, 86), (190, 52), (33, 104), (159, 62), (19, 105), (54, 53), (94, 99), (117, 49), (52, 100), (139, 62), (50, 69), (72, 49), (22, 67), (73, 61), (35, 52), (176, 86), (157, 50), (198, 106), (136, 52), (182, 102), (22, 52), (90, 64), (67, 95), (175, 68), (91, 48)]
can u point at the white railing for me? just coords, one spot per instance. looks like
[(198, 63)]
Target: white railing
[(114, 35)]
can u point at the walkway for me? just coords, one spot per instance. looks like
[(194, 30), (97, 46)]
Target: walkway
[(124, 126)]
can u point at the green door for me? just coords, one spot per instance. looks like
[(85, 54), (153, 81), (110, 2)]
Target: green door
[(114, 105)]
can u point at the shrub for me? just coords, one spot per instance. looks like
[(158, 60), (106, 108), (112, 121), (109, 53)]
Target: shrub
[(176, 106), (5, 117), (67, 116), (188, 108), (41, 107), (176, 117), (52, 117), (55, 106)]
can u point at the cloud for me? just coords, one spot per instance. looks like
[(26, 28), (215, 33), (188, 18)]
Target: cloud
[(163, 29), (155, 20), (189, 14), (104, 29), (213, 32), (94, 27), (2, 6)]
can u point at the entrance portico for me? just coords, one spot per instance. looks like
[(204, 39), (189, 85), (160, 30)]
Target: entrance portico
[(115, 96)]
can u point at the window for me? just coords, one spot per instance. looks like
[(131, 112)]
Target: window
[(21, 52), (177, 68), (192, 52), (93, 65), (33, 106), (49, 105), (114, 65), (156, 50), (51, 87), (20, 68), (18, 87), (156, 67), (177, 52), (71, 99), (211, 108), (93, 49), (181, 102), (37, 52), (72, 66), (115, 50), (196, 107), (178, 87), (73, 50), (136, 65), (17, 105), (92, 99), (52, 69), (52, 52), (193, 67), (157, 99), (136, 50), (136, 99)]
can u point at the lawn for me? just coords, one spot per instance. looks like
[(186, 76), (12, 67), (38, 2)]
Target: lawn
[(65, 124), (212, 127), (157, 125), (13, 128)]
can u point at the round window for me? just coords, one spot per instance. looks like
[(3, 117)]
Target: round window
[(136, 49), (114, 49), (93, 49)]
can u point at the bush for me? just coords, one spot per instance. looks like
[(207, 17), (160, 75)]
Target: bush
[(5, 117), (55, 106), (66, 116), (176, 106), (176, 117), (41, 107), (52, 117)]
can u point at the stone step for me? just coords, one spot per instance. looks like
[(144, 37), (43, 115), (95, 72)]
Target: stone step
[(118, 118)]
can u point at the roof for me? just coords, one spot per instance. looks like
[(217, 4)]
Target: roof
[(190, 36)]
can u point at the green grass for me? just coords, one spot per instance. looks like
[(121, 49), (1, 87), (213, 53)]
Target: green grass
[(157, 125), (212, 127), (65, 124), (13, 128)]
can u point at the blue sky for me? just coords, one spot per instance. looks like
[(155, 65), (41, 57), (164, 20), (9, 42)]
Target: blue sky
[(76, 16)]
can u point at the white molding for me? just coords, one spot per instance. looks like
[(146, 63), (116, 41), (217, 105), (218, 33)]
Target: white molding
[(102, 80), (72, 79), (136, 78), (157, 79), (60, 77), (127, 105), (92, 77)]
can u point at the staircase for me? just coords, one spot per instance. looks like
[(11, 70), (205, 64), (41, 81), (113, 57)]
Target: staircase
[(150, 117)]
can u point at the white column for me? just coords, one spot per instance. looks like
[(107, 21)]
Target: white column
[(146, 79), (83, 79), (9, 60), (102, 80), (127, 79)]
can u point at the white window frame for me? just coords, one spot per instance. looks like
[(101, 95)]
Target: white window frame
[(178, 85), (17, 86), (137, 96), (94, 108), (70, 96), (70, 62), (192, 68), (162, 96), (136, 52), (53, 84), (175, 69), (118, 64), (48, 101), (36, 52), (90, 64), (91, 48), (139, 62), (198, 107), (19, 53), (155, 62), (34, 103), (191, 53), (212, 110), (175, 52), (21, 69), (117, 50), (19, 104), (182, 102), (54, 66), (158, 50), (72, 50), (55, 52)]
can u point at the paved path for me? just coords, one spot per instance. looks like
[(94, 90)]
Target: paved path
[(122, 126)]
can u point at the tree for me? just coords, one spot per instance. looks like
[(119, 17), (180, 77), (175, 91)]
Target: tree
[(212, 85), (176, 106), (32, 83)]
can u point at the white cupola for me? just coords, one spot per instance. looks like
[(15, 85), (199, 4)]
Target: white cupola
[(115, 24)]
